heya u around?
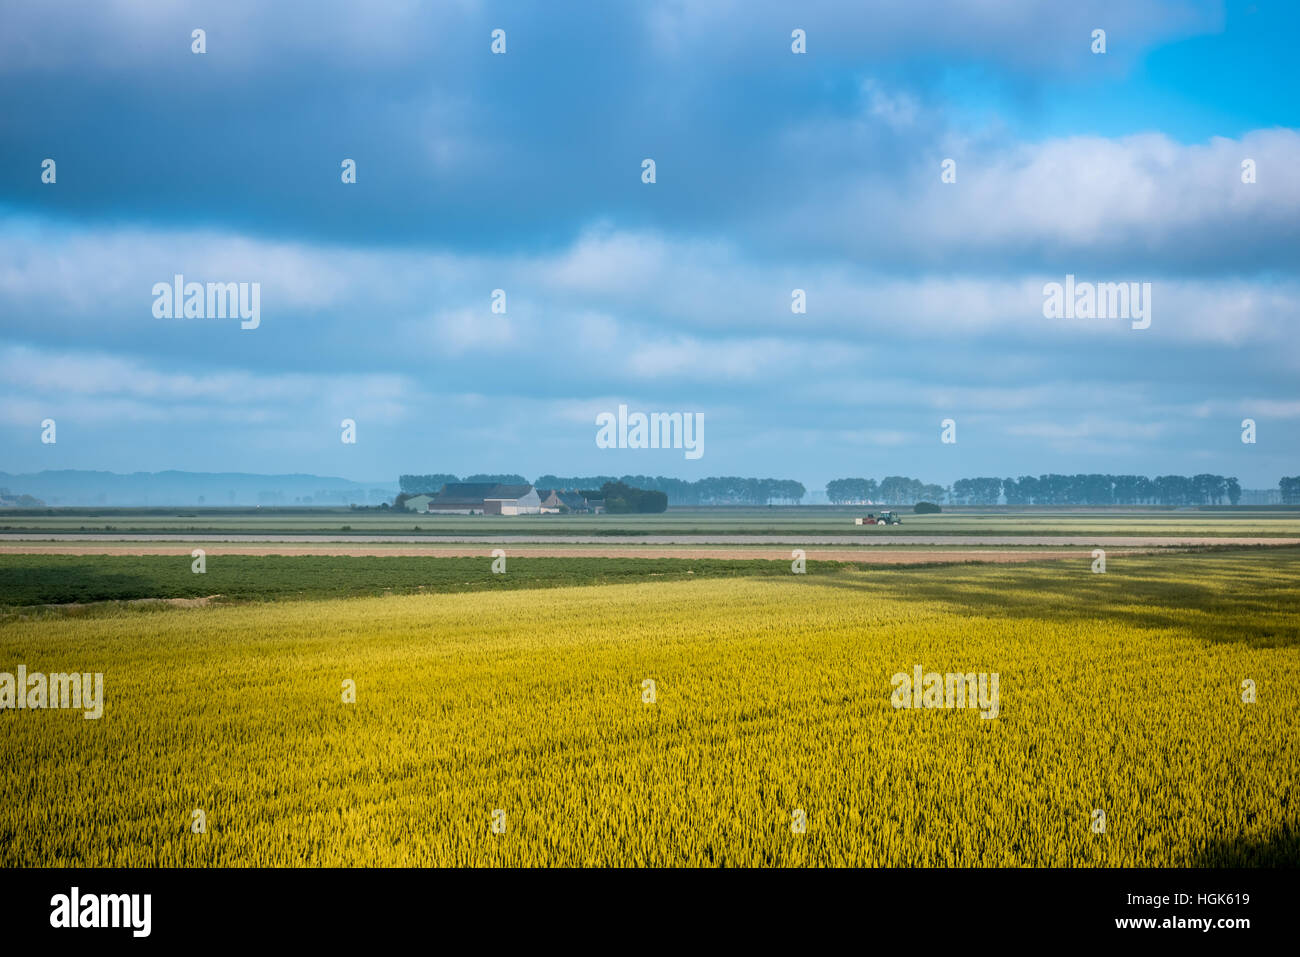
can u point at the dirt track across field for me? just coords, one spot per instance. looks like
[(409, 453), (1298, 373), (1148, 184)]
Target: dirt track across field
[(873, 556)]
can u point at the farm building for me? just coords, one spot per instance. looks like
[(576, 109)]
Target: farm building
[(485, 498), (554, 500), (419, 503)]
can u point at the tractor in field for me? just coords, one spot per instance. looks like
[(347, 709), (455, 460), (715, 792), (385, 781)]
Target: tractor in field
[(884, 518)]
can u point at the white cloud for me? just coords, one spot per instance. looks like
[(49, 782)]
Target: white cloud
[(897, 109), (661, 295), (1142, 199), (105, 387)]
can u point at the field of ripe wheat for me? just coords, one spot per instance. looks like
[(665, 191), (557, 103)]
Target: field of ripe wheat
[(739, 721)]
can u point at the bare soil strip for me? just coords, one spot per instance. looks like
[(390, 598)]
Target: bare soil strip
[(74, 606)]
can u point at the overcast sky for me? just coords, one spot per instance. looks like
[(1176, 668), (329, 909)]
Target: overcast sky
[(775, 171)]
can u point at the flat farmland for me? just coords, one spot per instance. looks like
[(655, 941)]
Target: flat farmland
[(748, 551), (745, 717), (776, 521), (35, 580)]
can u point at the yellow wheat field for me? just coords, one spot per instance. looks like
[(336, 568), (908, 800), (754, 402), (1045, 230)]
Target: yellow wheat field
[(1118, 692)]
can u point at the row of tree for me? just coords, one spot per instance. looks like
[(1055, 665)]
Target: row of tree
[(621, 498), (1099, 489), (1052, 489), (891, 490), (9, 500), (1290, 490), (1096, 489), (720, 490), (723, 490), (1092, 489), (432, 484)]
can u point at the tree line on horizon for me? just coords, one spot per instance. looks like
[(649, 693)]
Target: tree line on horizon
[(716, 490), (891, 490), (722, 490), (1049, 489), (622, 499)]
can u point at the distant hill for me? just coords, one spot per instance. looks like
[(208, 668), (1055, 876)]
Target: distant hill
[(81, 487)]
